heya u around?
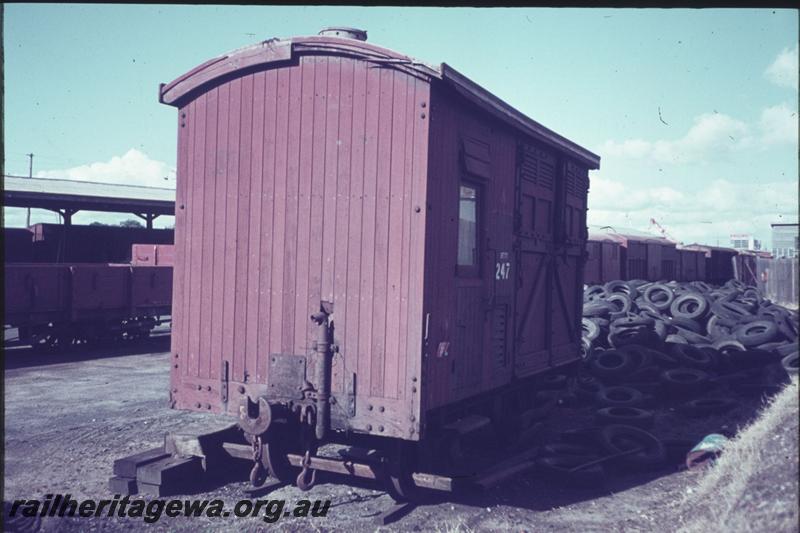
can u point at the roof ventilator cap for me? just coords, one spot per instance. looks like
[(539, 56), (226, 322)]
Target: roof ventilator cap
[(346, 33)]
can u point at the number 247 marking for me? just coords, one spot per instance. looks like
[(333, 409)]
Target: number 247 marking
[(502, 269)]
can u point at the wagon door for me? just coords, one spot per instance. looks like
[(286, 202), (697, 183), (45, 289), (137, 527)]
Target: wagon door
[(536, 172), (567, 282)]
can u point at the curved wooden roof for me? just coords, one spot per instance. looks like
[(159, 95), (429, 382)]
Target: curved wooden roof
[(277, 51)]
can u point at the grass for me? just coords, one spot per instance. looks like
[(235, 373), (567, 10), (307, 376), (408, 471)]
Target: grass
[(753, 486)]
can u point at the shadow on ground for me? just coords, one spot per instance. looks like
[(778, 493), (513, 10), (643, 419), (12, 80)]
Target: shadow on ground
[(27, 356)]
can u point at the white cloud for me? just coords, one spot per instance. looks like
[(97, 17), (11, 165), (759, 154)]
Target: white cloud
[(779, 125), (706, 214), (784, 69), (133, 168), (712, 136)]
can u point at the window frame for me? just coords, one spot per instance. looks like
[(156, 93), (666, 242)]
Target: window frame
[(473, 270)]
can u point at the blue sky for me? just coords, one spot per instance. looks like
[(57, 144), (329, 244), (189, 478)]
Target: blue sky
[(82, 80)]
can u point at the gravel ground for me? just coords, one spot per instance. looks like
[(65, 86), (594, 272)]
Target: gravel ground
[(67, 417)]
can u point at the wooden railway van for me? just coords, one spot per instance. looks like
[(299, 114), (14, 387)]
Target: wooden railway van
[(434, 234)]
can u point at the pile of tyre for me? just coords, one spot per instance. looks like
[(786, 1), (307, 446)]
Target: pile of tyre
[(649, 347)]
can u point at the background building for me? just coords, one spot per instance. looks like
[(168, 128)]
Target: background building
[(785, 239), (743, 241)]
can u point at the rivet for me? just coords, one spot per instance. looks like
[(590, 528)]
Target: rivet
[(241, 389), (413, 389), (198, 405), (412, 418), (176, 355), (199, 387), (208, 406), (423, 104), (182, 206), (175, 365), (382, 409), (414, 379), (369, 427), (369, 407), (380, 428), (208, 388), (183, 115), (423, 115), (417, 209), (175, 390)]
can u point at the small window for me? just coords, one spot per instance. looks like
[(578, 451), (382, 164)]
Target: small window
[(468, 226)]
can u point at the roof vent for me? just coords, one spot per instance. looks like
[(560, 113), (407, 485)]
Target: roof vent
[(346, 33)]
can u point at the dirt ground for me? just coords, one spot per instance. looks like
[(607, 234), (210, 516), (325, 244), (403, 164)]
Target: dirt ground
[(67, 417)]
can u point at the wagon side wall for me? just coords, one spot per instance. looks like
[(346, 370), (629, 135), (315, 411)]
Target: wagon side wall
[(491, 323)]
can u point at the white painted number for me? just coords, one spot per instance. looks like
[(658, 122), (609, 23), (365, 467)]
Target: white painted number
[(502, 269)]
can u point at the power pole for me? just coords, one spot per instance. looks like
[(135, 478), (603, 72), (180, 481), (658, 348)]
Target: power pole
[(30, 175)]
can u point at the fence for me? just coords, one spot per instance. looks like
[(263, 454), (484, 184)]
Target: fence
[(777, 280)]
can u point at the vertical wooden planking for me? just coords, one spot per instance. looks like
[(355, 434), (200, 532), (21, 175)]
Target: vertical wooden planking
[(368, 227), (179, 287), (304, 177), (279, 252), (242, 227), (317, 196), (291, 257), (231, 217), (352, 350), (330, 127), (334, 217), (383, 179), (205, 268), (196, 228), (395, 211), (255, 287), (407, 349), (221, 244), (268, 234), (344, 178), (419, 194)]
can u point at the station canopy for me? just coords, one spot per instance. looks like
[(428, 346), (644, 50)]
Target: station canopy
[(67, 197)]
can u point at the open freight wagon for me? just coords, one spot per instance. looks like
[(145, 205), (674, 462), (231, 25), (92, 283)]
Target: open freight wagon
[(433, 234)]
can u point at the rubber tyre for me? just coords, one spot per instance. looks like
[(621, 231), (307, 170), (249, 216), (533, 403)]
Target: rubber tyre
[(701, 407), (755, 333), (651, 296), (632, 416), (684, 380), (689, 306), (619, 396), (624, 306), (790, 363), (693, 357), (590, 329), (618, 438), (611, 364)]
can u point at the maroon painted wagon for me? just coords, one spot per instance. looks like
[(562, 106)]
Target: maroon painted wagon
[(17, 245), (433, 233), (643, 256), (60, 304), (74, 243), (603, 259), (153, 254), (718, 262), (692, 264)]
